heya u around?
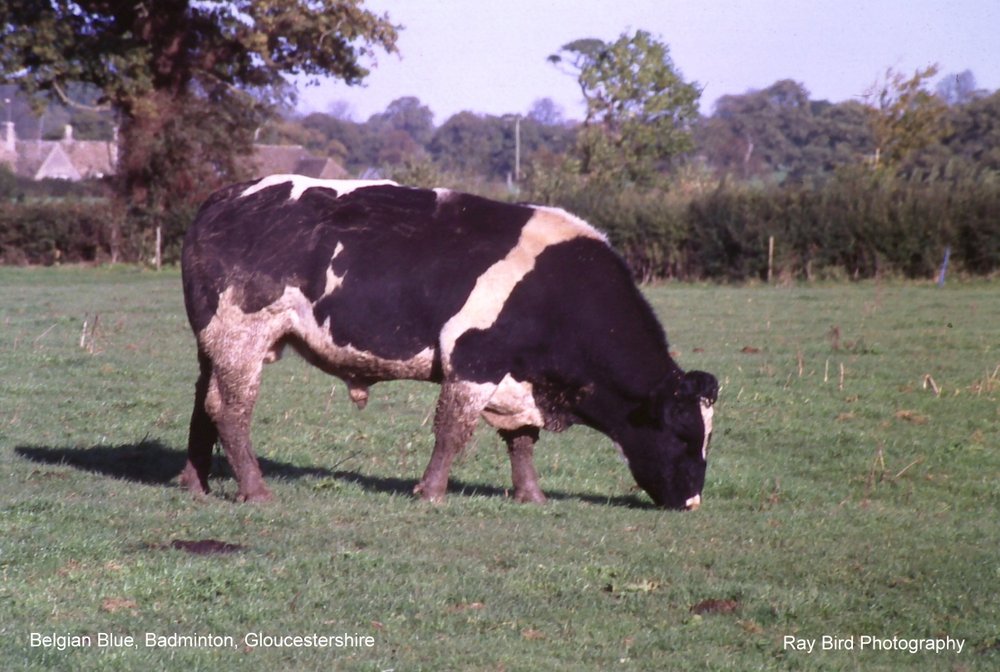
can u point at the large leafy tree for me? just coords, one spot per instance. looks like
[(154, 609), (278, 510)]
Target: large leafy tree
[(904, 116), (639, 108), (189, 80), (970, 148), (406, 114), (975, 133), (399, 133), (759, 132), (778, 132), (473, 143)]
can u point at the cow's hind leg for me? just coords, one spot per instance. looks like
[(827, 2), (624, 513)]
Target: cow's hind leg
[(232, 393), (521, 448), (202, 434), (455, 419)]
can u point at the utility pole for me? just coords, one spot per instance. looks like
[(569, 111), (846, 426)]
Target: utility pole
[(517, 149)]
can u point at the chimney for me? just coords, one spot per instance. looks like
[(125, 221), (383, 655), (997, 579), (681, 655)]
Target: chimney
[(10, 138), (113, 147), (68, 134)]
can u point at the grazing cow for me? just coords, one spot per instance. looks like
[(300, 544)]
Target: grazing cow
[(523, 314)]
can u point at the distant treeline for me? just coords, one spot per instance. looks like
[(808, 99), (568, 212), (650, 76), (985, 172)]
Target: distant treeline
[(769, 163), (773, 136)]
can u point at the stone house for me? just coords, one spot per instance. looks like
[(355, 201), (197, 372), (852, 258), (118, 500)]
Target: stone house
[(284, 159), (74, 160), (66, 159)]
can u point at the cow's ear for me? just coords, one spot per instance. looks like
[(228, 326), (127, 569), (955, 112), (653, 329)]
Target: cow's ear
[(652, 411), (699, 385)]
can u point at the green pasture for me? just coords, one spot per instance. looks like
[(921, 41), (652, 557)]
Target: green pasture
[(853, 491)]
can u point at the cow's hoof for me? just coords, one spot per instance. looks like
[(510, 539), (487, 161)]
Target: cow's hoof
[(529, 497), (256, 497), (190, 480), (428, 494)]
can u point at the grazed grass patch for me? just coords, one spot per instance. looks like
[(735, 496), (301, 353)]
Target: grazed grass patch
[(865, 505)]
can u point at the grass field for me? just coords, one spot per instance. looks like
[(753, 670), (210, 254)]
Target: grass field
[(853, 491)]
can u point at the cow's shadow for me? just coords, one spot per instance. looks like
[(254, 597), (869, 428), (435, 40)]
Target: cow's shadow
[(151, 462), (402, 486)]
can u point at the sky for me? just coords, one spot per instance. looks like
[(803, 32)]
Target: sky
[(489, 56)]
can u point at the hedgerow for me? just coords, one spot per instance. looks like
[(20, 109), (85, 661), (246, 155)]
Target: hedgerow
[(65, 231), (858, 224)]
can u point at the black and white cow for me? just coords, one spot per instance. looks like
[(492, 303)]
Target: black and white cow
[(523, 314)]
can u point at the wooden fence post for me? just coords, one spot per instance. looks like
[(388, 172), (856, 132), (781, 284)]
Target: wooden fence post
[(159, 247), (770, 258)]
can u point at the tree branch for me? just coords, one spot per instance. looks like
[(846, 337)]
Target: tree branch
[(75, 104)]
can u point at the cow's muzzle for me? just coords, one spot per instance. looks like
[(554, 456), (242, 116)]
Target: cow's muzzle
[(693, 503)]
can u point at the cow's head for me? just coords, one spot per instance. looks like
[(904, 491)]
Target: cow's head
[(669, 448)]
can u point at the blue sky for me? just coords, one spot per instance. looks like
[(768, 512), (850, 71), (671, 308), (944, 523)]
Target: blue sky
[(489, 56)]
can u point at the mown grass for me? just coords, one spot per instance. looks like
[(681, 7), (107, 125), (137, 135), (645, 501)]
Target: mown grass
[(836, 504)]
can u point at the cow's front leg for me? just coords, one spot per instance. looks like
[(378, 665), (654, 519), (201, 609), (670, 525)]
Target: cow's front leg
[(521, 448), (202, 434), (455, 419)]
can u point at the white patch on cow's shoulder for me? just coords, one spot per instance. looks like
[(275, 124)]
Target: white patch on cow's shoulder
[(707, 411), (443, 195), (548, 226), (300, 183), (512, 406), (333, 281)]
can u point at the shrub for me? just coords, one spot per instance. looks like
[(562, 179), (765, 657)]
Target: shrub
[(68, 231)]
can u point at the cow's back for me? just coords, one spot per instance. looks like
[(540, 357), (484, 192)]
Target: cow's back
[(384, 267)]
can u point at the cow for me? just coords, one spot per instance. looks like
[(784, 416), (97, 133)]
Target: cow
[(523, 314)]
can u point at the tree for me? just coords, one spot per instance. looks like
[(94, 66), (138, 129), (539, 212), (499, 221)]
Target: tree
[(409, 115), (541, 139), (903, 115), (474, 144), (189, 80), (639, 108), (971, 146), (547, 112), (338, 137), (958, 89), (399, 133), (779, 133), (759, 133), (841, 136)]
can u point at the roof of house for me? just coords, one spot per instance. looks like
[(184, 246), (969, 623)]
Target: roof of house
[(284, 159), (92, 158), (71, 159), (325, 169)]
